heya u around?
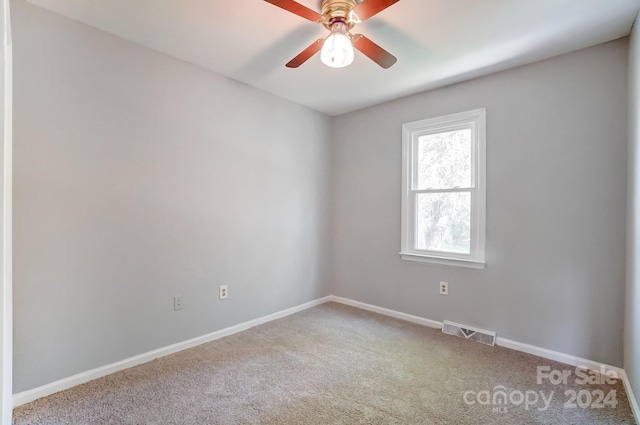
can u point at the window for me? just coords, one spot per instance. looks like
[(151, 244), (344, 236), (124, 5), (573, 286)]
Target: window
[(443, 190)]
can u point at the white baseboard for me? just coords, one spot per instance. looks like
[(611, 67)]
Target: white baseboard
[(557, 356), (66, 383), (632, 399), (387, 312)]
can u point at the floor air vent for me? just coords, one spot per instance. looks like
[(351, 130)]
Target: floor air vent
[(469, 332)]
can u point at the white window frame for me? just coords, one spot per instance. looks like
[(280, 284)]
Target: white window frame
[(411, 132)]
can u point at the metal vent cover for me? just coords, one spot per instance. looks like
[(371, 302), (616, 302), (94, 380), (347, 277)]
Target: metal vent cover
[(469, 332)]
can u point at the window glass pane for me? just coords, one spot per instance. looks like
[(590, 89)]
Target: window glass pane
[(444, 160), (443, 222)]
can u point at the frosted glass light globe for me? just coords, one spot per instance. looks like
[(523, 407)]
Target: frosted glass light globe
[(337, 51)]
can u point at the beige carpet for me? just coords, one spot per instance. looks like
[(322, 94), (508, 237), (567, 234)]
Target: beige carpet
[(329, 365)]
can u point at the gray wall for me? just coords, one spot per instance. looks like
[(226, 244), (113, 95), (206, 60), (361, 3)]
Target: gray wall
[(139, 177), (556, 195), (632, 323)]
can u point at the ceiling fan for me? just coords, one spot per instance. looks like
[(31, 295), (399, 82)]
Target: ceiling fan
[(339, 17)]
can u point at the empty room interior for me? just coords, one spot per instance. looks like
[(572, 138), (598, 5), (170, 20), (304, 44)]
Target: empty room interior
[(320, 212)]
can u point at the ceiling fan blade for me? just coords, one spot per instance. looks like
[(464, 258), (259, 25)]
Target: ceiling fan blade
[(368, 8), (297, 8), (306, 54), (373, 51)]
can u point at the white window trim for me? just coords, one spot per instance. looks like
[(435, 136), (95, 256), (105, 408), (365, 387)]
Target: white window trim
[(410, 133)]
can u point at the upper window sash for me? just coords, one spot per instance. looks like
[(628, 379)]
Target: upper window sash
[(415, 140)]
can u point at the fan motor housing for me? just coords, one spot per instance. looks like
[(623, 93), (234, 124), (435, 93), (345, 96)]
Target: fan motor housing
[(337, 10)]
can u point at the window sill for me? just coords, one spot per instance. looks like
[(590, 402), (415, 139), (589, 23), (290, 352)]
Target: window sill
[(454, 262)]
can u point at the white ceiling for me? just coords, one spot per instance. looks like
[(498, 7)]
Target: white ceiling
[(437, 42)]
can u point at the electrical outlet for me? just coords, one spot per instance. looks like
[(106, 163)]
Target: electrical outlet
[(444, 288), (224, 292), (177, 303)]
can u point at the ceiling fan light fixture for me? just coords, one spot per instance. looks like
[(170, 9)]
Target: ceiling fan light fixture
[(340, 17), (337, 51)]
